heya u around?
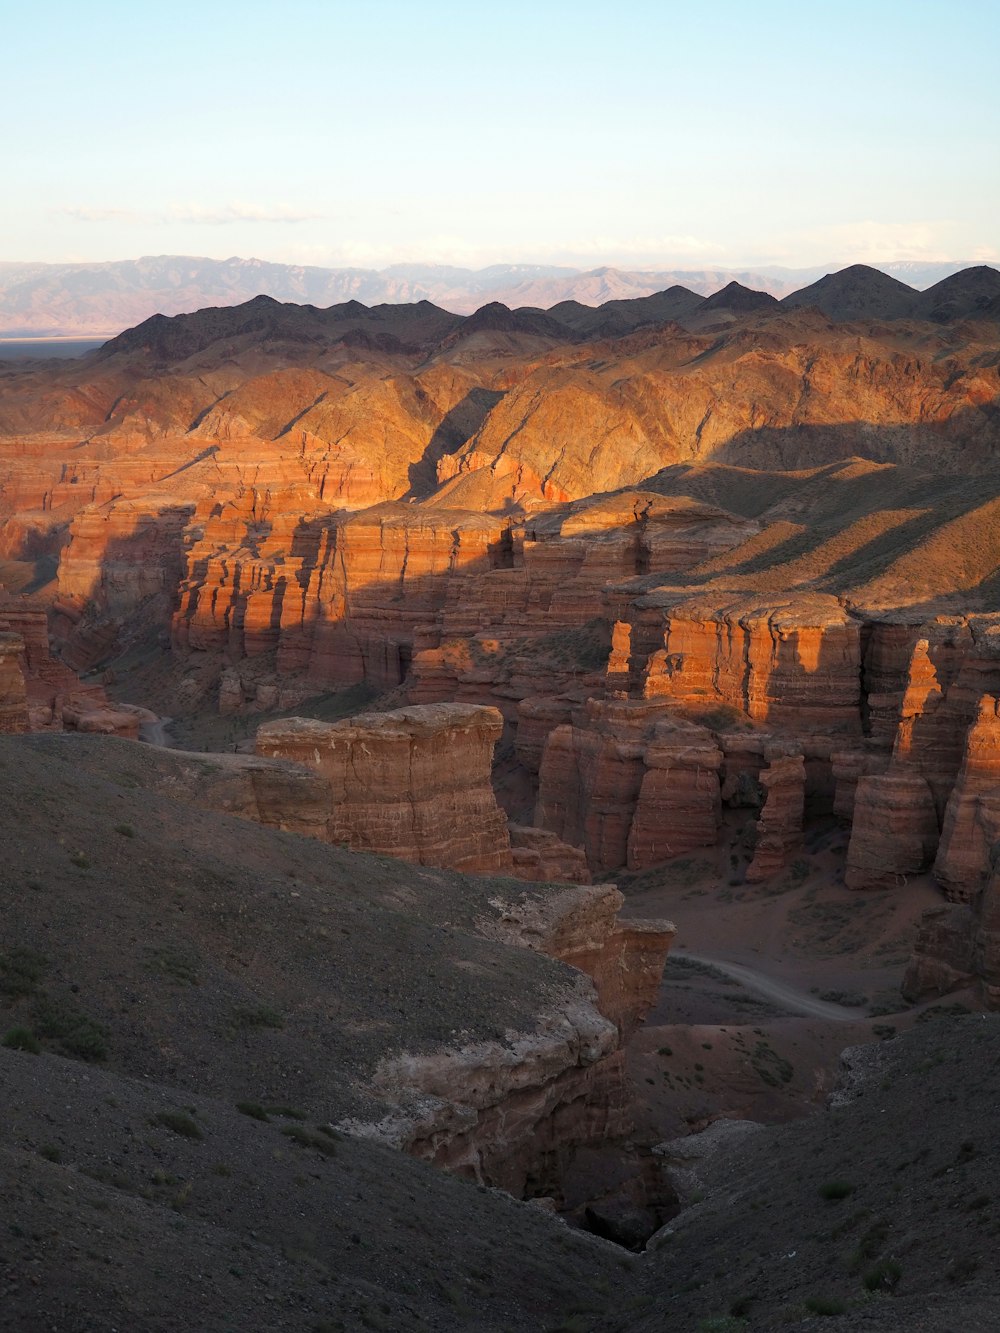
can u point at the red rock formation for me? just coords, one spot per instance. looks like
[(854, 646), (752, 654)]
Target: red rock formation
[(590, 777), (943, 955), (630, 784), (779, 829), (959, 944), (46, 695), (539, 855), (788, 662), (894, 831), (679, 803), (581, 926), (962, 863), (13, 695), (847, 768), (414, 783)]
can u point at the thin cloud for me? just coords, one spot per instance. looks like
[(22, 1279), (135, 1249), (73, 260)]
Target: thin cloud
[(104, 215), (193, 215), (238, 212)]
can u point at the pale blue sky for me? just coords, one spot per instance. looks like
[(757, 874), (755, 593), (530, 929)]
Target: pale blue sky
[(631, 133)]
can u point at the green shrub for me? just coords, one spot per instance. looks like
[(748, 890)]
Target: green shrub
[(22, 1039), (308, 1139), (20, 971), (77, 1034), (825, 1305), (179, 964), (259, 1016), (252, 1109), (836, 1189), (178, 1122), (884, 1276)]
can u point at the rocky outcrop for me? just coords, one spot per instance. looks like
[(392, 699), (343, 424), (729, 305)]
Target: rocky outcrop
[(847, 767), (580, 925), (943, 955), (792, 662), (894, 832), (13, 695), (679, 803), (779, 829), (120, 567), (962, 863), (499, 1111), (39, 693), (414, 783), (630, 783), (539, 855)]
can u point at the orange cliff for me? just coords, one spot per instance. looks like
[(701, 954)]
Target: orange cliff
[(38, 692), (414, 783)]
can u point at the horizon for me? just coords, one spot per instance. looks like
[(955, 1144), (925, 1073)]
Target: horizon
[(772, 270), (437, 136)]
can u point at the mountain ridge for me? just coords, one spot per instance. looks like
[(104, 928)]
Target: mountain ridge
[(101, 299)]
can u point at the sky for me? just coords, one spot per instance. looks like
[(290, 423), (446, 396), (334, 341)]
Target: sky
[(388, 131)]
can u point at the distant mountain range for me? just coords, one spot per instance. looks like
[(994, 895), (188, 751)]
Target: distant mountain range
[(51, 300), (410, 328)]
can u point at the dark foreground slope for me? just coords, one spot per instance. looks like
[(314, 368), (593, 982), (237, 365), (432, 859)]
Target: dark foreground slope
[(194, 964), (881, 1212)]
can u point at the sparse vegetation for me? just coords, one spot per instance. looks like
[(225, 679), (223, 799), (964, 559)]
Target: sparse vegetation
[(77, 1034), (180, 1123), (20, 971), (22, 1039), (175, 962), (836, 1189), (884, 1276), (253, 1109), (256, 1016), (825, 1305), (307, 1138)]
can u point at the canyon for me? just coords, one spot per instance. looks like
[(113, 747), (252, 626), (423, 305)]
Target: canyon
[(505, 656)]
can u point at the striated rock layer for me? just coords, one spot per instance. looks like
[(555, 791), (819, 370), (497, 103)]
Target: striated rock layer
[(414, 783), (894, 831), (962, 862), (13, 695)]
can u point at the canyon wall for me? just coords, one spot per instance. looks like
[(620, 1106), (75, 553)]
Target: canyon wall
[(413, 783)]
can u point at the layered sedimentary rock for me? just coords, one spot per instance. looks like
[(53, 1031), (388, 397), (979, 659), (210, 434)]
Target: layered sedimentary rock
[(121, 566), (506, 1112), (679, 803), (414, 783), (630, 783), (962, 862), (13, 695), (539, 855), (38, 692), (943, 955), (581, 926), (847, 767), (894, 832), (779, 829), (791, 662)]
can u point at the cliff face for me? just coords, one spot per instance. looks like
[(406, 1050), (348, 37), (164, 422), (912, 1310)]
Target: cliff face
[(963, 859), (414, 783), (13, 695), (38, 692), (791, 662)]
